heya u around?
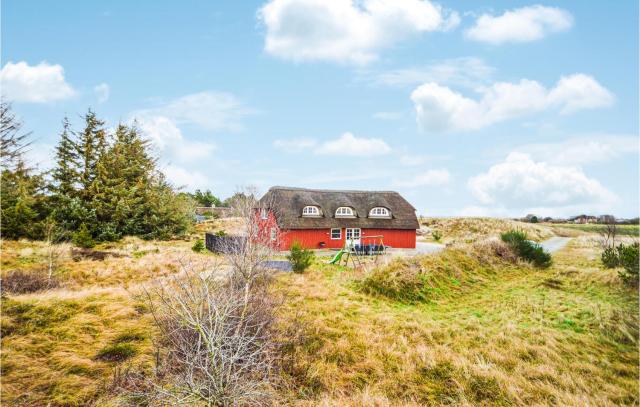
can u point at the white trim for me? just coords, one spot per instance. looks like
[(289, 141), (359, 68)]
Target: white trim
[(310, 210), (354, 236), (344, 212), (379, 212), (339, 234), (264, 214), (273, 234)]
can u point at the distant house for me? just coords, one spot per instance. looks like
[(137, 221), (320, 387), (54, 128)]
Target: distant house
[(328, 218), (583, 219)]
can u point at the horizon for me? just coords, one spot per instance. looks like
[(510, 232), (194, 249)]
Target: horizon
[(465, 110)]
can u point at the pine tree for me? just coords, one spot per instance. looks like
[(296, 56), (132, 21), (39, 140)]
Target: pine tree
[(22, 198), (22, 201), (66, 175), (123, 176), (90, 147)]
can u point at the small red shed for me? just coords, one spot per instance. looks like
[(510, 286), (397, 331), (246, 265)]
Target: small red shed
[(320, 218)]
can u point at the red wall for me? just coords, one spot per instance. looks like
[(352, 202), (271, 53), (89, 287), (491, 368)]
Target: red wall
[(311, 238)]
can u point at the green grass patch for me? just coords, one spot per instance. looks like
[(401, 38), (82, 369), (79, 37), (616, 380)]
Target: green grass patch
[(117, 352)]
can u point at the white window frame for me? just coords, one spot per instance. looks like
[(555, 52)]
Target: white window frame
[(273, 234), (345, 212), (310, 210), (379, 212), (350, 234), (264, 214), (339, 234)]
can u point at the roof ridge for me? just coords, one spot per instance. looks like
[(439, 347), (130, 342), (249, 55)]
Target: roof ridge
[(328, 190)]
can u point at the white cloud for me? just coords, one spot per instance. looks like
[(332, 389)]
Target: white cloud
[(465, 71), (520, 25), (183, 178), (437, 177), (439, 108), (348, 144), (102, 92), (520, 184), (210, 110), (169, 140), (36, 84), (344, 30), (583, 150), (295, 145)]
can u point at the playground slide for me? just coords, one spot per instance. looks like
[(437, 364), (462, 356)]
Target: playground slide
[(337, 257)]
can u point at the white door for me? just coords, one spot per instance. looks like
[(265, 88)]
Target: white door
[(353, 236)]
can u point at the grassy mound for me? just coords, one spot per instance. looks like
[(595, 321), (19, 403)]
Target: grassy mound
[(449, 273), (502, 336), (469, 230)]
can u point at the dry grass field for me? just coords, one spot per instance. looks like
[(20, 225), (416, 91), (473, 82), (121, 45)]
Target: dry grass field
[(469, 230), (488, 332), (463, 327)]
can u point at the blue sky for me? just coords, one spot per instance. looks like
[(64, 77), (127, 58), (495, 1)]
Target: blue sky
[(499, 109)]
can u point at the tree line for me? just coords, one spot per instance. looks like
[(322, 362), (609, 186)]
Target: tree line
[(105, 184)]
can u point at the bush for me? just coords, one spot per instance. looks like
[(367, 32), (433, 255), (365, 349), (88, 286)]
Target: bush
[(82, 238), (610, 257), (198, 246), (437, 235), (627, 257), (526, 249), (300, 258), (220, 340), (23, 282)]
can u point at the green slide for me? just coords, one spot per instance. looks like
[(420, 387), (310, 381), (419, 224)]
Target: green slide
[(337, 257)]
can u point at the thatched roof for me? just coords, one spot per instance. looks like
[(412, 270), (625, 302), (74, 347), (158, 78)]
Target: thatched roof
[(287, 203)]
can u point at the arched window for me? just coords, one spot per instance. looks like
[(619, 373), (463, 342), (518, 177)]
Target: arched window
[(379, 212), (310, 211), (344, 211)]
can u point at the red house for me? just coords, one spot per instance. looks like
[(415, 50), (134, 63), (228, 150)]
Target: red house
[(326, 218)]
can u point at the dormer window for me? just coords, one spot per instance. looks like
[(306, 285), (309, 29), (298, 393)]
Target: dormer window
[(379, 212), (310, 211), (344, 212)]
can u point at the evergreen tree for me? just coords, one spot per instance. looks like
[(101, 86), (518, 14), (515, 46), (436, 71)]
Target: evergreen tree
[(22, 198), (123, 176), (13, 140), (66, 175), (23, 202), (90, 146)]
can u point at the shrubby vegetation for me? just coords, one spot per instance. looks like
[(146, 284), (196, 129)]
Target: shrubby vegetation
[(526, 249), (627, 257), (198, 246), (104, 185), (300, 258)]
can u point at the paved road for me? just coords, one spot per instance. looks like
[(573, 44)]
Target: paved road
[(555, 243), (421, 248)]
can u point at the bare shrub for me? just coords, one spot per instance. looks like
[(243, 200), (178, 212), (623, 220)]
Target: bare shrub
[(23, 282), (217, 323), (218, 337), (608, 235), (248, 256)]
